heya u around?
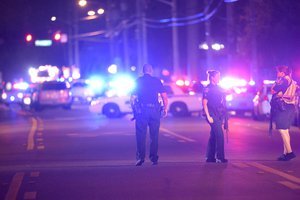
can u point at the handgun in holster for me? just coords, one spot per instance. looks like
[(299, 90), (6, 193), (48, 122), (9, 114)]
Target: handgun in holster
[(136, 109)]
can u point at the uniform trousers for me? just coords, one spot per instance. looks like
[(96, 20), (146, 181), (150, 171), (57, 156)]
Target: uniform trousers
[(149, 116), (215, 147)]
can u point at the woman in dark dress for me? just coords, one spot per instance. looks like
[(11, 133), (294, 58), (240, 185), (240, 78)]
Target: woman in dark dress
[(283, 113)]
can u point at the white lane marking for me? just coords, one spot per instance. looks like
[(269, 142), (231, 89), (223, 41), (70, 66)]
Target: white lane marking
[(122, 133), (240, 165), (100, 163), (276, 172), (41, 147), (180, 137), (34, 174), (30, 140), (290, 185), (14, 186), (30, 195)]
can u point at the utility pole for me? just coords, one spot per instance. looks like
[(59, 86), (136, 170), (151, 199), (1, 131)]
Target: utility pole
[(253, 64), (110, 31), (125, 36), (208, 39), (192, 54), (125, 47), (176, 66), (70, 23), (141, 33), (175, 45), (76, 45), (230, 47), (75, 38)]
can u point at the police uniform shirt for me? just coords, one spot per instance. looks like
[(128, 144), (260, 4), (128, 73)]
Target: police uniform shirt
[(214, 96), (147, 89)]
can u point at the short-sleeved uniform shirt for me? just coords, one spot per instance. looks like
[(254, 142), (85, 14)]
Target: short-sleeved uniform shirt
[(147, 89), (215, 100)]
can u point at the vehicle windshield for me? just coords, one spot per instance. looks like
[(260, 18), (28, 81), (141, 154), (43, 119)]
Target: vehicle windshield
[(80, 85), (54, 86)]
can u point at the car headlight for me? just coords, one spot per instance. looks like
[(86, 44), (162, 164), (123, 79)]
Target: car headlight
[(4, 96), (20, 95), (12, 98), (94, 103), (229, 97), (27, 100)]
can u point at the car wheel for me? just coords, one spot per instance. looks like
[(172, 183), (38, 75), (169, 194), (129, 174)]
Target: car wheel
[(111, 110), (179, 109)]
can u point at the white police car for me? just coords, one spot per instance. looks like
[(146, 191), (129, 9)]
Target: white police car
[(261, 102), (180, 103)]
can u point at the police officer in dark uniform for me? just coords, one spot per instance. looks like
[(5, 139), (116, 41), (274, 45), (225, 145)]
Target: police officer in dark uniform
[(147, 110), (215, 111)]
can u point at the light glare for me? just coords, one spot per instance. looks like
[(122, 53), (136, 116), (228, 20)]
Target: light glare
[(82, 3), (91, 13), (100, 11)]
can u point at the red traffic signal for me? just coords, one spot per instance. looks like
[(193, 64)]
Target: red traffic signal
[(28, 38), (57, 37)]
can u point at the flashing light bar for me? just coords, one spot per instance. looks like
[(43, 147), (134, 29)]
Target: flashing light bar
[(43, 43), (269, 82)]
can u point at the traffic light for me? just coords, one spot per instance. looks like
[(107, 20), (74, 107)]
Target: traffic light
[(57, 36), (28, 38)]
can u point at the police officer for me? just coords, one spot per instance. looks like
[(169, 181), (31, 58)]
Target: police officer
[(214, 107), (148, 113)]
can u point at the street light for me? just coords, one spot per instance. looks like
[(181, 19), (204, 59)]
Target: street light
[(53, 18), (100, 11), (82, 3)]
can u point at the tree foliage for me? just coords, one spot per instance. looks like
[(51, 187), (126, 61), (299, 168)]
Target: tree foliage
[(273, 26)]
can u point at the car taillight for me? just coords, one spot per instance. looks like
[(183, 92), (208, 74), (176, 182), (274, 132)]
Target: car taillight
[(65, 93)]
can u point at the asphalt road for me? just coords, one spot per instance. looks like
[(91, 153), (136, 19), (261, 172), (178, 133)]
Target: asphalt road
[(59, 154)]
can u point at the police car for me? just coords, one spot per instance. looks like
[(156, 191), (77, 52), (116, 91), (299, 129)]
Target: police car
[(50, 94), (261, 102), (180, 104), (262, 99)]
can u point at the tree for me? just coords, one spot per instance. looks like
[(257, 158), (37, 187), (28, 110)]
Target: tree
[(273, 26)]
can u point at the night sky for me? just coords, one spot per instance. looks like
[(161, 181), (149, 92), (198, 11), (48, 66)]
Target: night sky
[(277, 41)]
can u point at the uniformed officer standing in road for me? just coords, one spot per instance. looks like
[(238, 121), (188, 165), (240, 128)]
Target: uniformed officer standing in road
[(215, 111), (147, 109)]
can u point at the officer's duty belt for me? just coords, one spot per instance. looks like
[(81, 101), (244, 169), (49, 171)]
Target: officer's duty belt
[(149, 105)]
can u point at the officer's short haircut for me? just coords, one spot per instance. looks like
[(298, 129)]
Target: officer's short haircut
[(147, 68), (212, 73)]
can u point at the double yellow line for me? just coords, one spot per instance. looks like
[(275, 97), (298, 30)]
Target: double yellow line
[(36, 128), (30, 140)]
